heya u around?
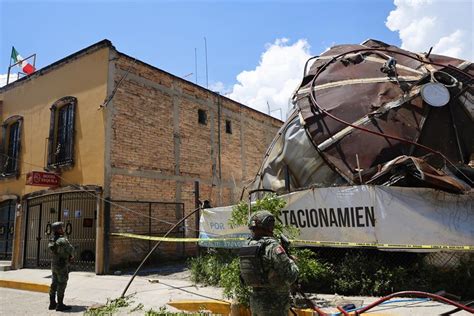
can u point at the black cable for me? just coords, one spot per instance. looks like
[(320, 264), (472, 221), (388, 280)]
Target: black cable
[(314, 103), (154, 248)]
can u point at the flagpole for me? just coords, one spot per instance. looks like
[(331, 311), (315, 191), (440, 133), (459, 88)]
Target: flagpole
[(10, 66)]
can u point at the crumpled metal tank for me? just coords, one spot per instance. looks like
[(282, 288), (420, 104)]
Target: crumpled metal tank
[(376, 114)]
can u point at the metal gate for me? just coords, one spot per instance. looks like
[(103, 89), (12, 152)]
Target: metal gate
[(151, 218), (78, 211), (7, 225)]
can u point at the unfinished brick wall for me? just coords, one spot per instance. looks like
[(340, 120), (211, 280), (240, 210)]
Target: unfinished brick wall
[(125, 218), (158, 148)]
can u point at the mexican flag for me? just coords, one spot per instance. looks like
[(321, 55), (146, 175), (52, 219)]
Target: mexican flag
[(25, 66)]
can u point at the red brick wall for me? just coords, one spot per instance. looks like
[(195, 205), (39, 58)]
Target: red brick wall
[(158, 148)]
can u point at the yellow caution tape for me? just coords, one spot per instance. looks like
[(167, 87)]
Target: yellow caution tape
[(377, 245), (305, 242), (171, 239)]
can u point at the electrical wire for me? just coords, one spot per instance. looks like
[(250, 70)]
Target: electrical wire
[(106, 102), (91, 193), (191, 292), (111, 202), (314, 103)]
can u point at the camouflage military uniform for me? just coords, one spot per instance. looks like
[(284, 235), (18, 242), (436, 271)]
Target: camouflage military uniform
[(267, 268), (62, 251), (281, 272)]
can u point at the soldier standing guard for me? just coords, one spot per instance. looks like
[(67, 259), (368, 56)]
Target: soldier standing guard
[(267, 268), (62, 252)]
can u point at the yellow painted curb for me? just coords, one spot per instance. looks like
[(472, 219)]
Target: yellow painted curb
[(25, 286), (223, 308), (216, 307)]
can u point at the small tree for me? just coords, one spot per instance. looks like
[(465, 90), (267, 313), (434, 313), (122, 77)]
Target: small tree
[(270, 202)]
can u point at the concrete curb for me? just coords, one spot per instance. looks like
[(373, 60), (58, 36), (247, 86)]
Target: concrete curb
[(25, 286), (217, 307), (5, 265)]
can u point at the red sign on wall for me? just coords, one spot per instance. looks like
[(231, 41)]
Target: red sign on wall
[(44, 179)]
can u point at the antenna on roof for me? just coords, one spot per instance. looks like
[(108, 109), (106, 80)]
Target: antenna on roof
[(196, 64), (205, 48), (270, 111), (281, 113)]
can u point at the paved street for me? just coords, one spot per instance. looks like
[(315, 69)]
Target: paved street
[(16, 302), (86, 289)]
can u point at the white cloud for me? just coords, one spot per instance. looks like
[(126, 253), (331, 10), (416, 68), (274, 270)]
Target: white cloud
[(3, 79), (278, 74), (445, 25), (220, 87)]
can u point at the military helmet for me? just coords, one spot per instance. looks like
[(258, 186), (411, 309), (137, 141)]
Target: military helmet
[(56, 226), (262, 219)]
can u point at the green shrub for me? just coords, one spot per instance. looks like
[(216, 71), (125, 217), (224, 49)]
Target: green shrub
[(351, 272), (458, 281), (329, 270), (314, 274), (270, 202), (206, 269), (366, 274), (233, 287)]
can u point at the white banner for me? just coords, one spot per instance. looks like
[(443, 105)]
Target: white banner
[(376, 216)]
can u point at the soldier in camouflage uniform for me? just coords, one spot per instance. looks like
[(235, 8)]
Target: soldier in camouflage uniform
[(267, 268), (62, 252)]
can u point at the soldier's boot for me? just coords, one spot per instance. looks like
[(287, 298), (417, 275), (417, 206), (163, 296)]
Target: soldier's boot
[(61, 307), (52, 302)]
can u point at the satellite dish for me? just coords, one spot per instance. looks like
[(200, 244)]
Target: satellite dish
[(435, 94)]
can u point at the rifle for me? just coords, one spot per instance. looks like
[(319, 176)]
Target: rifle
[(285, 243), (296, 287)]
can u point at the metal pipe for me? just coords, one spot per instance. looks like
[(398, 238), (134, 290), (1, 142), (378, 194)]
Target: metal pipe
[(358, 169), (197, 204), (205, 48), (154, 248), (342, 310), (416, 294), (196, 65), (219, 140)]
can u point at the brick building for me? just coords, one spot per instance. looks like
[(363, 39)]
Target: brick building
[(132, 146)]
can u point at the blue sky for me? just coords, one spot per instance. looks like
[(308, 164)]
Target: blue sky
[(166, 33)]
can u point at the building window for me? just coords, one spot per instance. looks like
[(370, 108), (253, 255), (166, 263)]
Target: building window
[(228, 126), (202, 117), (10, 149), (61, 133)]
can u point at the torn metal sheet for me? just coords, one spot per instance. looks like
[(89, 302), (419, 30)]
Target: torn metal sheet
[(415, 172)]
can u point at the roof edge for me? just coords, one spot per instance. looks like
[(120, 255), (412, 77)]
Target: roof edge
[(196, 85), (94, 47)]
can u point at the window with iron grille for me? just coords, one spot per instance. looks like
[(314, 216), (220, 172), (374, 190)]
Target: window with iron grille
[(61, 133), (10, 149), (202, 117)]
